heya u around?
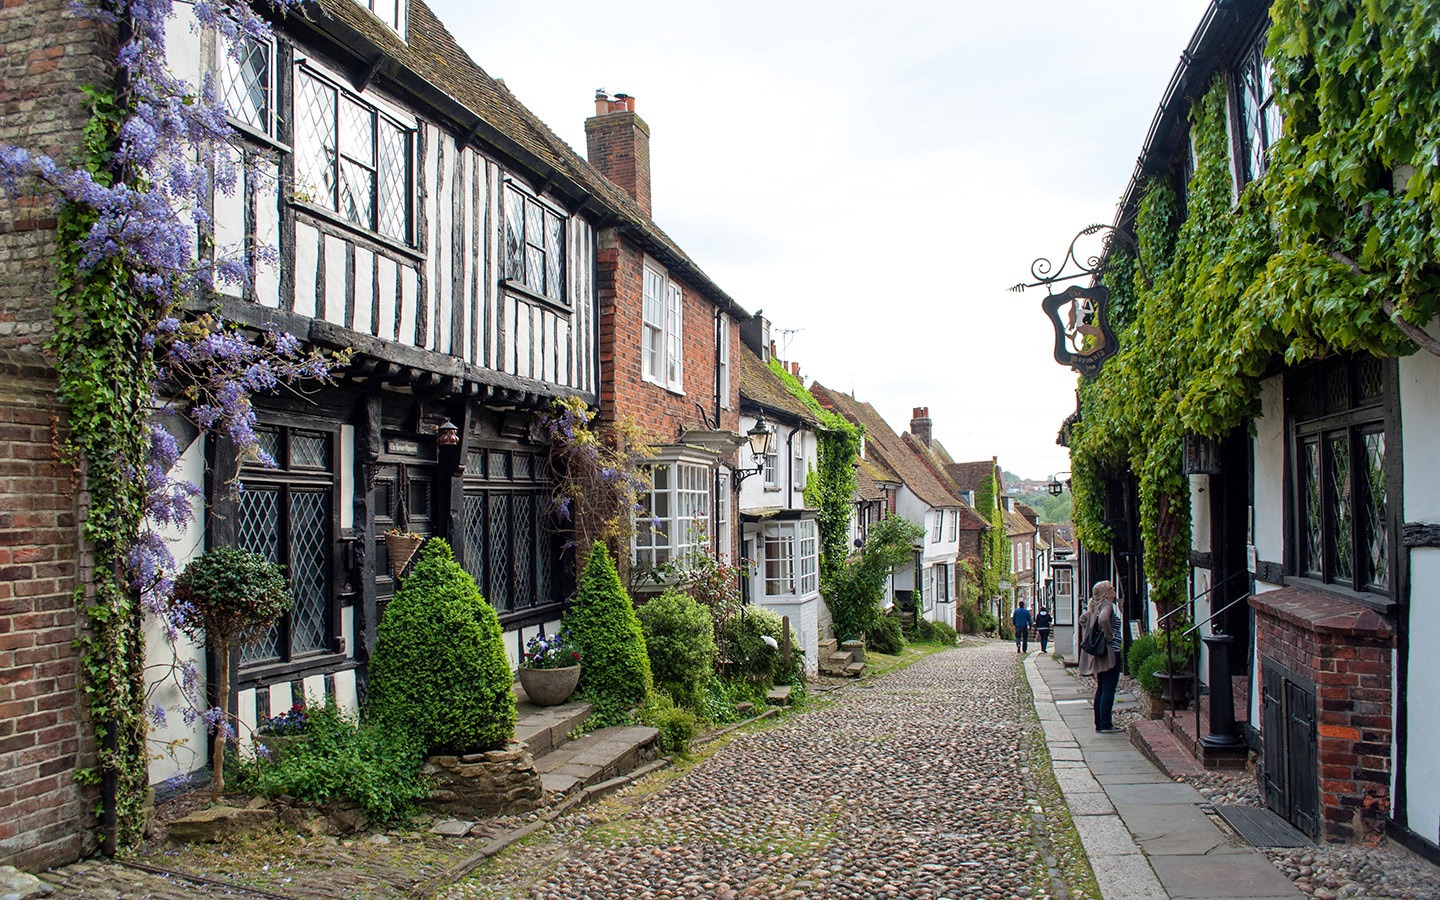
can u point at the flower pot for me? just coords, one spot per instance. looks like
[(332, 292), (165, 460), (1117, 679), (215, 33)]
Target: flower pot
[(549, 687), (1174, 689)]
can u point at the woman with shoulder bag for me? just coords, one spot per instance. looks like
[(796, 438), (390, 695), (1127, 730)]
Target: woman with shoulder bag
[(1100, 657)]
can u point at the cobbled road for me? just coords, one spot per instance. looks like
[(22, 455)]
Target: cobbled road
[(907, 785)]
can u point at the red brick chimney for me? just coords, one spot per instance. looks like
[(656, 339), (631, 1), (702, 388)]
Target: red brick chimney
[(617, 142), (920, 424)]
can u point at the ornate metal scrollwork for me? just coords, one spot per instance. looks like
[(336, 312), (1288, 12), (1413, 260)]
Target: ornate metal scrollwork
[(1083, 336)]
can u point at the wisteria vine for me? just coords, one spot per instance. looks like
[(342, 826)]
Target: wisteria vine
[(133, 214)]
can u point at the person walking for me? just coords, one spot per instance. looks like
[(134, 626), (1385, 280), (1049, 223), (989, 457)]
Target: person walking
[(1102, 616), (1042, 625), (1021, 618)]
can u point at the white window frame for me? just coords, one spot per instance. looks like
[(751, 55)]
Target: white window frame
[(772, 465), (723, 376), (394, 13), (938, 527), (678, 502), (722, 513), (797, 459), (789, 563), (942, 582), (662, 348), (954, 516)]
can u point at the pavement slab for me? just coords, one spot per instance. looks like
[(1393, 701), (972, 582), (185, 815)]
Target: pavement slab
[(1145, 834)]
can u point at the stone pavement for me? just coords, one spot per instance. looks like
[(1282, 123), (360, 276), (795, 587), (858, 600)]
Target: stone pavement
[(1145, 835)]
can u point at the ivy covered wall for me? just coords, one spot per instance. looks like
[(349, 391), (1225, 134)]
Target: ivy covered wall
[(1335, 248)]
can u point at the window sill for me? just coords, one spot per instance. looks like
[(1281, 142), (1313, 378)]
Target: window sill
[(333, 218), (267, 673), (516, 287), (1378, 602), (252, 133)]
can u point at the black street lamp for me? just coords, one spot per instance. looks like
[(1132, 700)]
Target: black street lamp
[(762, 439), (1056, 487)]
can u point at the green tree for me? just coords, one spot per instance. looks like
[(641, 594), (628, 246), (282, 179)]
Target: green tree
[(856, 591), (614, 665)]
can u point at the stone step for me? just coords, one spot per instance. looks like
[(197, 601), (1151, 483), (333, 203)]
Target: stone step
[(598, 756), (779, 695), (547, 728), (855, 669)]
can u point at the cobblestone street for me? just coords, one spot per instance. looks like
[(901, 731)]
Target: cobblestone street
[(910, 785)]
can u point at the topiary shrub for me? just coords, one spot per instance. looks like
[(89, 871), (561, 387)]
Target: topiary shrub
[(223, 596), (884, 636), (680, 640), (615, 669), (439, 671), (1145, 673)]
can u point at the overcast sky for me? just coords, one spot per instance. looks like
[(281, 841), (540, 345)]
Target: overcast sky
[(872, 175)]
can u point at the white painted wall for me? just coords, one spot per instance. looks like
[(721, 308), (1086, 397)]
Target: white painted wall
[(789, 493), (180, 748), (1269, 444), (1420, 415)]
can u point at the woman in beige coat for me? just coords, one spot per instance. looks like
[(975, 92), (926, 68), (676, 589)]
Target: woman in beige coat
[(1106, 669)]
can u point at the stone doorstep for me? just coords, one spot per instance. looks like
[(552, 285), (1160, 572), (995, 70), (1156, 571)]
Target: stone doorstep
[(1158, 745), (598, 756), (547, 728), (778, 695)]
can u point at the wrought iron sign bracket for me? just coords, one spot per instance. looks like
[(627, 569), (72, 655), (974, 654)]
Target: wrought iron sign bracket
[(1084, 338)]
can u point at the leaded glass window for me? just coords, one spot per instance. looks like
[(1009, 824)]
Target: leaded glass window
[(1260, 121), (286, 513), (1342, 508), (534, 245), (509, 542), (351, 158), (247, 82)]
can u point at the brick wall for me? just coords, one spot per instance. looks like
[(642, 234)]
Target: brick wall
[(46, 56), (1343, 651), (43, 733)]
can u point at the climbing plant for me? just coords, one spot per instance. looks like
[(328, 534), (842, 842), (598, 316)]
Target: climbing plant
[(995, 556), (1336, 248), (831, 489), (135, 250)]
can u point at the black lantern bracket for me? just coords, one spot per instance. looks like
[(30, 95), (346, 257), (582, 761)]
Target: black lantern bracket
[(1084, 338)]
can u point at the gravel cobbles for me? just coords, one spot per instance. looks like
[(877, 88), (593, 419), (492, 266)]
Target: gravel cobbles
[(908, 786)]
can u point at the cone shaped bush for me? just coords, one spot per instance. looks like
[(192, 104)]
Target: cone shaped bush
[(614, 667), (439, 671)]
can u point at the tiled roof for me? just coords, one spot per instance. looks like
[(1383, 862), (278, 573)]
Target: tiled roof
[(882, 441), (1016, 524), (761, 386), (868, 476), (935, 457), (968, 476), (431, 57)]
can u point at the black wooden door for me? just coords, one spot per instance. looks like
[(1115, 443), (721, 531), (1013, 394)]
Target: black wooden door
[(1304, 776), (1275, 738)]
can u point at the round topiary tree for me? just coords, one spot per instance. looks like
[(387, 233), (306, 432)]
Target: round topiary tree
[(226, 595), (439, 671), (615, 669), (680, 640)]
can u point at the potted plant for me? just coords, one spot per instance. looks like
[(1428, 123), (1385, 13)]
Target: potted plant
[(277, 733), (550, 669)]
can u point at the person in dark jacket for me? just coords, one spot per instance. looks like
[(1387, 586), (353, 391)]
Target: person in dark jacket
[(1021, 618), (1042, 625)]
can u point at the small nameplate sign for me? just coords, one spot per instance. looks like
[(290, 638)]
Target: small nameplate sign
[(401, 447)]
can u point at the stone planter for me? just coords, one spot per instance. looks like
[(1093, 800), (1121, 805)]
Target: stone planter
[(276, 744), (549, 687), (1175, 689)]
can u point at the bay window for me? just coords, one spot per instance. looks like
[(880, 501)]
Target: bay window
[(790, 559), (672, 521)]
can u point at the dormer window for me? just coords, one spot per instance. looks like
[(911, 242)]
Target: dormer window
[(391, 12), (1256, 115)]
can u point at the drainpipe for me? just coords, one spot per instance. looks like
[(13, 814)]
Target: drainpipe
[(790, 485)]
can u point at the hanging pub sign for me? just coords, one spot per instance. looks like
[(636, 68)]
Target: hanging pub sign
[(1083, 337), (1081, 315)]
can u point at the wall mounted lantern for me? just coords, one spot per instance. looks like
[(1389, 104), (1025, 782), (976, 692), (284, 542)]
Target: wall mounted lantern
[(1080, 316), (447, 435), (761, 438), (1056, 487)]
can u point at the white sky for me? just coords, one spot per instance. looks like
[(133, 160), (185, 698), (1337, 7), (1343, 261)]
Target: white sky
[(872, 175)]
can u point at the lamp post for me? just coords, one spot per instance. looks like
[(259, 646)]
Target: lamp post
[(1056, 487)]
